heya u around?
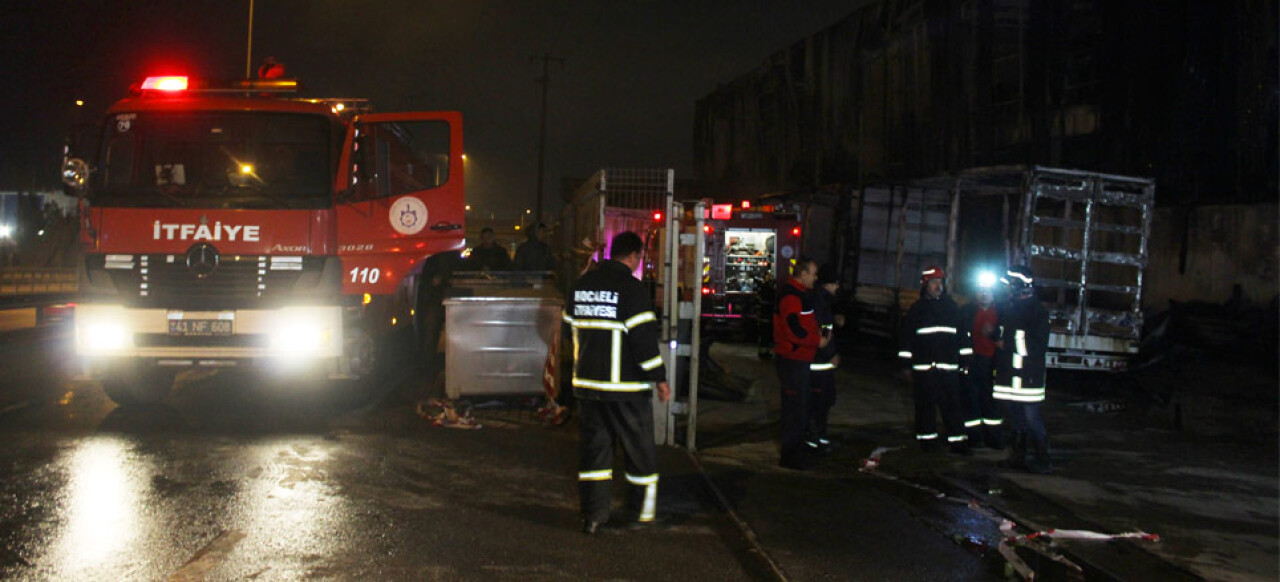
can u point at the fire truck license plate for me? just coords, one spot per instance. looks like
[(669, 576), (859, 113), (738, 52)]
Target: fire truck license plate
[(200, 327)]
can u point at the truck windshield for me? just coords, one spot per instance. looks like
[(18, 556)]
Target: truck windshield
[(224, 159)]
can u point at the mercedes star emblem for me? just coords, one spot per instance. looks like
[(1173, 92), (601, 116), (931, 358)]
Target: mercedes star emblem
[(202, 260)]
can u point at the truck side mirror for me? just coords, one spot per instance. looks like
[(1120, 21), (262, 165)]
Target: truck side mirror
[(75, 174), (361, 165), (80, 145)]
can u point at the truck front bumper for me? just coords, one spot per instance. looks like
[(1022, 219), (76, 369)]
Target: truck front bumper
[(1089, 352), (178, 337)]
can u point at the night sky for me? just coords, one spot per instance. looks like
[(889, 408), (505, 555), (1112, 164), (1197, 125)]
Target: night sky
[(624, 97)]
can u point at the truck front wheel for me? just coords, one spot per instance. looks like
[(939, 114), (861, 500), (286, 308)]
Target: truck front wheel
[(133, 387)]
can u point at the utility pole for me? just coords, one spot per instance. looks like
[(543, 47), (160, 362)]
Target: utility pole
[(545, 79), (248, 52)]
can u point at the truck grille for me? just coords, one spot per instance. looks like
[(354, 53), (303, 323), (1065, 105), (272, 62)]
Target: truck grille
[(238, 280)]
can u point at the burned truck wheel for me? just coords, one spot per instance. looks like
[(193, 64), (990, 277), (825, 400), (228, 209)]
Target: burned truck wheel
[(131, 386), (364, 354)]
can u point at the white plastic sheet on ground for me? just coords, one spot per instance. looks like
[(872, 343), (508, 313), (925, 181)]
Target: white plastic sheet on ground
[(1035, 540)]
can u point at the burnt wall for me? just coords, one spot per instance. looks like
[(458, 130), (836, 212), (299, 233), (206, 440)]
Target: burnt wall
[(1185, 92), (1212, 253)]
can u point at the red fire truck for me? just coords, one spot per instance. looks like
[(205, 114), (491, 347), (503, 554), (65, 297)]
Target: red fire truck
[(233, 225), (746, 248)]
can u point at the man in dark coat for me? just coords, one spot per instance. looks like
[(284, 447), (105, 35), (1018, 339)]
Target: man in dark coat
[(616, 367), (535, 254), (488, 255), (822, 372), (931, 344), (1020, 370)]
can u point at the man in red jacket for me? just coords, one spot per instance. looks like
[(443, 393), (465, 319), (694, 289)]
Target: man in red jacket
[(796, 341)]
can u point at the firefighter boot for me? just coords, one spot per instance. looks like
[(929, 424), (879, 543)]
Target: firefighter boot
[(1040, 463), (1017, 458)]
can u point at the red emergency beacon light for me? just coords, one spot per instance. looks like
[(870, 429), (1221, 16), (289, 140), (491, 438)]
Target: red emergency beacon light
[(165, 84)]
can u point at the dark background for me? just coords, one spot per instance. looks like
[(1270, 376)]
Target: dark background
[(624, 96)]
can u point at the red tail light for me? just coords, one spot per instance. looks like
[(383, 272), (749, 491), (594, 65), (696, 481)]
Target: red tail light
[(657, 217), (706, 290)]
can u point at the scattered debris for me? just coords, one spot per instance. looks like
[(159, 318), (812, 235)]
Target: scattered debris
[(458, 413), (553, 413), (873, 461), (1037, 540), (442, 412)]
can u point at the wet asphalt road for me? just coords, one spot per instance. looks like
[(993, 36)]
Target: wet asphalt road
[(237, 477)]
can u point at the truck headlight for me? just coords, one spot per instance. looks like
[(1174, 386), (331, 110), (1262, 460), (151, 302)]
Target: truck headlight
[(102, 331), (104, 336), (304, 332)]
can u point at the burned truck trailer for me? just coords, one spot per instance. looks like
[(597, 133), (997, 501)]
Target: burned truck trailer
[(1083, 234), (609, 202)]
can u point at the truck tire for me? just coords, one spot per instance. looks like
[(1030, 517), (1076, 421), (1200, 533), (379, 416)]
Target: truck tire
[(371, 367), (363, 350), (134, 387)]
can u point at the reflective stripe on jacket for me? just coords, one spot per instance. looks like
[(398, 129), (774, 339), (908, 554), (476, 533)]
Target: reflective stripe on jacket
[(615, 335), (1020, 364), (930, 338), (824, 314)]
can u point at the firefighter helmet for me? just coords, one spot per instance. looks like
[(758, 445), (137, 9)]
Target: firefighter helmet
[(931, 272), (1019, 279)]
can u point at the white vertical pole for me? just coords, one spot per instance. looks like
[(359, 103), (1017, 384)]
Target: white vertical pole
[(672, 313), (696, 342)]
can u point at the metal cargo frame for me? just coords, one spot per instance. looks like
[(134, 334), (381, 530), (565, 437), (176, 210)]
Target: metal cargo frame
[(1093, 230), (610, 201), (1084, 234)]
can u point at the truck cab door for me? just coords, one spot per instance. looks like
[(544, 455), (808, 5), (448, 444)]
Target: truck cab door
[(401, 196)]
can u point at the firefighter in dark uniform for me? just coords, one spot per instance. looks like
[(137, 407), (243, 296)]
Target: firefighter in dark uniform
[(1020, 367), (822, 372), (979, 321), (931, 344), (796, 341), (766, 297), (616, 364)]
